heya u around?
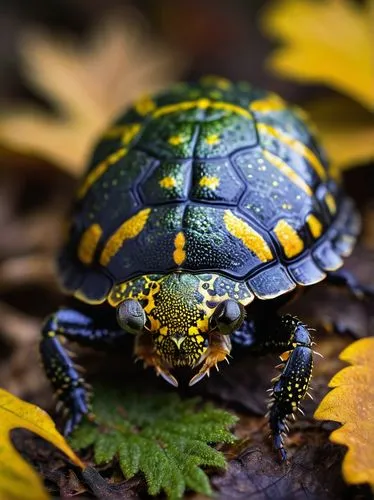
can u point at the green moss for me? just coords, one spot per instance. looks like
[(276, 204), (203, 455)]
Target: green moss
[(166, 438)]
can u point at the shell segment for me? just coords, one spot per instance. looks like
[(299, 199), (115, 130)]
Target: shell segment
[(212, 177)]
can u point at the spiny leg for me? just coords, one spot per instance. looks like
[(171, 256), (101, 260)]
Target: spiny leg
[(283, 334), (70, 387), (343, 278)]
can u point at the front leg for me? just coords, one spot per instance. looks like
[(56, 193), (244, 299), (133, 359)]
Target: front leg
[(70, 387), (287, 335)]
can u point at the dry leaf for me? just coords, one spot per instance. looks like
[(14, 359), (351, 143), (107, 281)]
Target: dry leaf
[(17, 478), (87, 84), (351, 402), (329, 42)]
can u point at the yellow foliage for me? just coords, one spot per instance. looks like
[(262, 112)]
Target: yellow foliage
[(17, 478), (346, 129), (88, 84), (330, 42), (351, 402)]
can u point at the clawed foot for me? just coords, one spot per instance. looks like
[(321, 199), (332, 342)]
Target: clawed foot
[(76, 406), (218, 351)]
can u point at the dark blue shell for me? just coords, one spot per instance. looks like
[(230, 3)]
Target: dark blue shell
[(230, 167)]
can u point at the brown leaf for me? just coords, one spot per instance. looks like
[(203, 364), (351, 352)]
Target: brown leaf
[(88, 84)]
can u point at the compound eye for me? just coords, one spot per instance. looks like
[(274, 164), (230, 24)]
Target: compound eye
[(227, 316), (131, 316)]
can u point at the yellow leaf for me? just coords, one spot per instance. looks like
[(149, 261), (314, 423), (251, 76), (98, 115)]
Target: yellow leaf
[(351, 402), (88, 84), (17, 478), (346, 130), (328, 41)]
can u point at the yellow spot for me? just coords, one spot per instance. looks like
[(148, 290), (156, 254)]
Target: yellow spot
[(175, 140), (179, 255), (289, 239), (144, 106), (194, 330), (128, 230), (209, 182), (217, 81), (99, 170), (268, 104), (330, 202), (163, 330), (296, 146), (315, 225), (88, 243), (202, 104), (287, 171), (251, 238), (212, 139), (168, 182)]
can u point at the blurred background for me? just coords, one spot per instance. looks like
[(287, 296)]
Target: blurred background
[(69, 66)]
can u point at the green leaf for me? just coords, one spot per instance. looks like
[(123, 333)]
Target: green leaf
[(160, 435)]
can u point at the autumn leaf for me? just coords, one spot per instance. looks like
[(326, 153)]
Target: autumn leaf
[(330, 42), (160, 435), (346, 129), (87, 84), (351, 402), (17, 477)]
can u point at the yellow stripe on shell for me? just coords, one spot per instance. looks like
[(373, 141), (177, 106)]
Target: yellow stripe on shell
[(100, 170), (128, 230), (287, 236), (315, 225), (202, 104), (179, 254), (296, 146), (88, 243), (126, 132), (209, 182), (78, 294), (330, 202), (268, 104), (287, 171), (251, 238)]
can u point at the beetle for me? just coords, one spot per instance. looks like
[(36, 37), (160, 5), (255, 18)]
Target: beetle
[(204, 208)]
